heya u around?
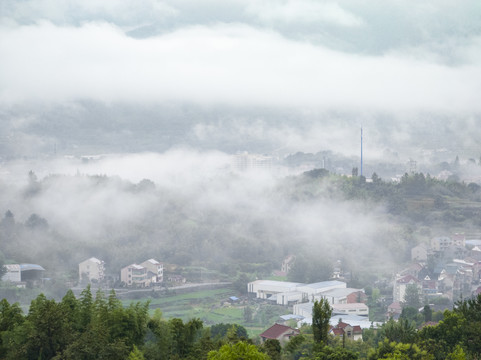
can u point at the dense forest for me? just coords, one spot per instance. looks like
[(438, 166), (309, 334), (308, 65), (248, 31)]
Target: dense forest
[(99, 327)]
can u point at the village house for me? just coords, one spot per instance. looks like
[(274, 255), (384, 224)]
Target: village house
[(155, 271), (91, 269), (134, 275), (400, 285), (394, 310), (279, 332), (350, 332), (419, 253)]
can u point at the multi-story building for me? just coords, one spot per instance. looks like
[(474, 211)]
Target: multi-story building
[(134, 275), (243, 161), (441, 243), (155, 270), (400, 285), (91, 269)]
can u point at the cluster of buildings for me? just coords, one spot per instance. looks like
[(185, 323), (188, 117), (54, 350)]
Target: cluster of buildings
[(148, 273), (348, 304), (450, 267), (350, 314)]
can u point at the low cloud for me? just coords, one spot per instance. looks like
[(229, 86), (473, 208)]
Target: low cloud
[(232, 64)]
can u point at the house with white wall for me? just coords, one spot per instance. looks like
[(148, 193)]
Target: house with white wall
[(155, 270), (91, 269), (134, 274), (400, 285)]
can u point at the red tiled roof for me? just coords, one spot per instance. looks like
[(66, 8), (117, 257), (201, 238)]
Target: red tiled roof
[(277, 330), (395, 305), (337, 332), (357, 329), (339, 329)]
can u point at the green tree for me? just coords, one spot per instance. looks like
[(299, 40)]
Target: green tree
[(321, 314), (238, 351), (412, 296), (247, 314), (335, 353), (272, 347), (10, 317), (136, 354), (398, 331), (375, 178), (240, 284), (219, 331), (294, 343), (49, 333), (398, 351), (428, 313)]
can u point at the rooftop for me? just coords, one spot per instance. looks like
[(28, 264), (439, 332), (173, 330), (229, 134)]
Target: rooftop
[(340, 292), (277, 283), (26, 267), (323, 284), (353, 306), (153, 261), (277, 330)]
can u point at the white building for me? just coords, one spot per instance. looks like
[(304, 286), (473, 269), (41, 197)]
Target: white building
[(13, 273), (441, 243), (311, 290), (285, 293), (419, 253), (22, 273), (91, 269), (342, 295), (350, 309), (134, 275), (155, 270), (243, 161), (400, 285), (266, 288)]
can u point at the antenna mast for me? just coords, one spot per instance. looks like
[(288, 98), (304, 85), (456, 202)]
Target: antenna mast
[(361, 150)]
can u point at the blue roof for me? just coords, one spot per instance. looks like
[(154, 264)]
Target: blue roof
[(26, 267), (234, 298)]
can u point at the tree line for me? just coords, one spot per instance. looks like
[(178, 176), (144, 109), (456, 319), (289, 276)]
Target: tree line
[(100, 327)]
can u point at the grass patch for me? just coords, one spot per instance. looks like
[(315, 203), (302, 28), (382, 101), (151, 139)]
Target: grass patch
[(211, 307)]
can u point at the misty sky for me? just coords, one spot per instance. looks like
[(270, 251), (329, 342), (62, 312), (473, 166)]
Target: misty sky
[(297, 74)]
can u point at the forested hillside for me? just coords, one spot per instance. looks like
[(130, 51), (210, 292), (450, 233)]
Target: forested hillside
[(224, 224)]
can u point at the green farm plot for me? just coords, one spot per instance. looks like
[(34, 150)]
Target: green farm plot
[(211, 307)]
